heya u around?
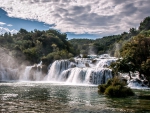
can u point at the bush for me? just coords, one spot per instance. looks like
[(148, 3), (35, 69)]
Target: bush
[(102, 88), (127, 91), (52, 56), (118, 91), (115, 88)]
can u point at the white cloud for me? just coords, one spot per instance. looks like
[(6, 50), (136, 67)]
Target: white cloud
[(2, 23), (10, 25), (4, 30), (81, 16)]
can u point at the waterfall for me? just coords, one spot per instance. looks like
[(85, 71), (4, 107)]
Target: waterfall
[(81, 71), (3, 73), (8, 73), (135, 81), (104, 63), (87, 75), (32, 73), (56, 68), (74, 75), (26, 75)]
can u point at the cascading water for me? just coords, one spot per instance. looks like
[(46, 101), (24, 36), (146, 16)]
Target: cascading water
[(56, 69), (3, 73), (81, 71), (26, 75), (8, 73), (32, 73), (135, 81)]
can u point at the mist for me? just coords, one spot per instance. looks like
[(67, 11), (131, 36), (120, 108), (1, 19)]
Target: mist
[(92, 50), (10, 66)]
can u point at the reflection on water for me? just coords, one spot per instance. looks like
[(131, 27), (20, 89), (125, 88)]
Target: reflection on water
[(55, 98)]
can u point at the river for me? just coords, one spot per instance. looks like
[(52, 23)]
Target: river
[(45, 97)]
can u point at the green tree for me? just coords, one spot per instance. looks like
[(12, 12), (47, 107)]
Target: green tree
[(145, 24), (136, 54)]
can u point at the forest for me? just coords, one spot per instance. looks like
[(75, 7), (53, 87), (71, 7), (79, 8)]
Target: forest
[(37, 45)]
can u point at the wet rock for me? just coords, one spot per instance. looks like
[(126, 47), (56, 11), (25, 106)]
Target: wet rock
[(44, 69), (146, 82), (87, 65)]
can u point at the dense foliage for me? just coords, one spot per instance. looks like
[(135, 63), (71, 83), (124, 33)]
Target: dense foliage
[(38, 45), (98, 46), (136, 52), (82, 46), (107, 44), (115, 88)]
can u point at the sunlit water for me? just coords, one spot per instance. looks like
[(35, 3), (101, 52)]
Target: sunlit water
[(34, 97)]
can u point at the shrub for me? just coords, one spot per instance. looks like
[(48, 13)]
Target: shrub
[(127, 91), (101, 88), (115, 88), (118, 91)]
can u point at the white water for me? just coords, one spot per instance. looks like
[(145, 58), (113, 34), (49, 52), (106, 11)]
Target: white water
[(56, 69), (81, 71), (26, 75), (30, 74), (135, 82), (7, 73)]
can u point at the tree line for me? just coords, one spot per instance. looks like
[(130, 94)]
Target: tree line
[(38, 45)]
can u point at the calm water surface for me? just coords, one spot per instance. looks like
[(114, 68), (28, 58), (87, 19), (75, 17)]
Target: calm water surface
[(33, 97)]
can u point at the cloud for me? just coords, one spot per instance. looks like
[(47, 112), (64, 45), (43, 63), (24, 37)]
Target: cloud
[(81, 16), (4, 30), (2, 23), (10, 25)]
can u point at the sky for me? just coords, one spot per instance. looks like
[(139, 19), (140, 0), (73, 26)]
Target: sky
[(78, 18)]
